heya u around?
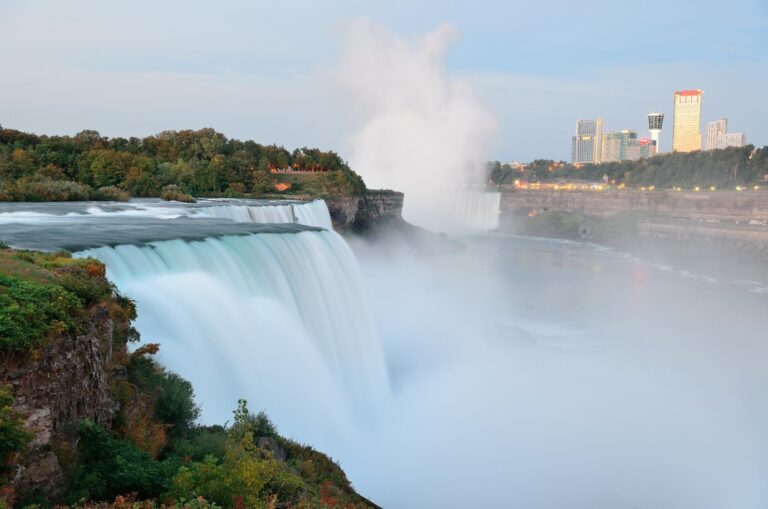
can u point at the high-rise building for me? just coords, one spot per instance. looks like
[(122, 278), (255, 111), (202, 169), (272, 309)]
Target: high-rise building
[(714, 131), (586, 145), (655, 121), (621, 146), (686, 128), (718, 136)]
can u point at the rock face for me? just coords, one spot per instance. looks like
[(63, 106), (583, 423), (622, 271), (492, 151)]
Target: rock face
[(360, 214), (743, 206), (67, 381), (728, 218)]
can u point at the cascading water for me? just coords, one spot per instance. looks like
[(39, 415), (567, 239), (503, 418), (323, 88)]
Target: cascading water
[(248, 313), (479, 209), (314, 213)]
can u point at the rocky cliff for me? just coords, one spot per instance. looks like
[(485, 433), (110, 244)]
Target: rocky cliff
[(62, 328), (360, 214), (66, 381)]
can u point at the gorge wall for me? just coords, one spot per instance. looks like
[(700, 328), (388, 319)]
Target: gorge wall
[(737, 206), (729, 218)]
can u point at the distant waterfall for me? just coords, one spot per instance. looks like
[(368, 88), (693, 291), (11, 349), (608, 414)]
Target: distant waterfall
[(281, 316), (479, 210), (314, 213)]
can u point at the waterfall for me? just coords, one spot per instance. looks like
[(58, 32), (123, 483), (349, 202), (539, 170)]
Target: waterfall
[(479, 210), (281, 316), (250, 214), (314, 213)]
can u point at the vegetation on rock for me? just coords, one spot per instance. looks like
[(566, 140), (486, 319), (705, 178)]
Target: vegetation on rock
[(13, 437), (44, 294)]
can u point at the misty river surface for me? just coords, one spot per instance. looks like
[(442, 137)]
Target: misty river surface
[(544, 373), (517, 372)]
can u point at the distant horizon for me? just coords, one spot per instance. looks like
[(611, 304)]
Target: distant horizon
[(267, 74), (332, 149)]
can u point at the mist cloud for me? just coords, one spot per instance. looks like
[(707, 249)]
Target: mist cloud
[(417, 130)]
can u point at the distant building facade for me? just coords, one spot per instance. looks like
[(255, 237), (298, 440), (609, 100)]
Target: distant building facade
[(718, 136), (732, 140), (714, 131), (586, 146), (624, 145), (686, 124), (648, 148)]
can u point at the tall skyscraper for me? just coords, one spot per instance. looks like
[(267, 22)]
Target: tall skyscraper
[(714, 130), (718, 136), (686, 129), (655, 121), (586, 146)]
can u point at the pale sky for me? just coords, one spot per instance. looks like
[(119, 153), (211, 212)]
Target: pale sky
[(262, 70)]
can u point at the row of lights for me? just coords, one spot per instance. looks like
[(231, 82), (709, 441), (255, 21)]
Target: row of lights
[(696, 189), (602, 187)]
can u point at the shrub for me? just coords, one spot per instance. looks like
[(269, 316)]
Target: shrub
[(246, 476), (109, 467), (51, 190), (13, 438), (175, 404), (29, 311), (200, 442), (173, 192), (111, 193), (258, 425)]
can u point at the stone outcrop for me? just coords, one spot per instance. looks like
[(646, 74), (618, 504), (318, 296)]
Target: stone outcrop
[(65, 382), (360, 214)]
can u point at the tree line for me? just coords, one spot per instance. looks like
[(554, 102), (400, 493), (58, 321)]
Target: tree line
[(202, 163), (726, 168)]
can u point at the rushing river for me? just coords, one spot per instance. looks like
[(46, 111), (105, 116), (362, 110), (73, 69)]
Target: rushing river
[(519, 372)]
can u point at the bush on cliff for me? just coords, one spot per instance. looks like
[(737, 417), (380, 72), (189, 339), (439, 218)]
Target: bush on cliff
[(175, 404), (247, 475), (108, 467), (30, 311), (13, 438), (173, 399)]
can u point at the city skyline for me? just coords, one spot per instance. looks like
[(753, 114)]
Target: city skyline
[(687, 134)]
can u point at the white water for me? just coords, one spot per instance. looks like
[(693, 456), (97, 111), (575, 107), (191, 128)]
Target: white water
[(456, 212), (479, 210), (274, 318), (314, 213)]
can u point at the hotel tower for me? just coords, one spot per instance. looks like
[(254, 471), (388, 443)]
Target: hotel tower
[(686, 128)]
